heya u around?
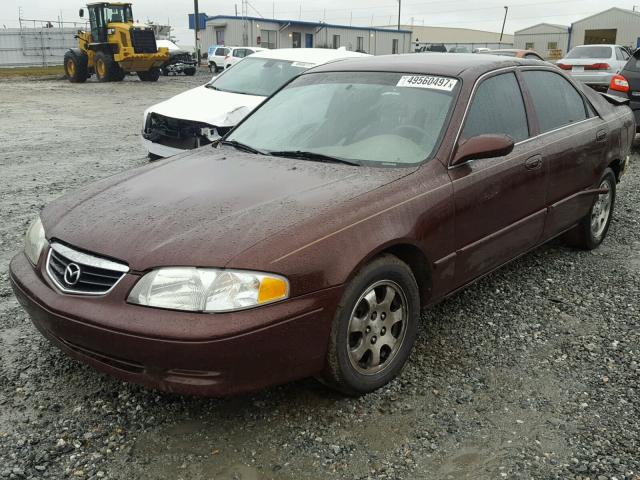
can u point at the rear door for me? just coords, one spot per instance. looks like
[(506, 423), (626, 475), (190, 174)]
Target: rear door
[(500, 204), (573, 139)]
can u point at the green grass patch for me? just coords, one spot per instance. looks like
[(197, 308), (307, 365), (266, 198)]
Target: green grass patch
[(31, 71)]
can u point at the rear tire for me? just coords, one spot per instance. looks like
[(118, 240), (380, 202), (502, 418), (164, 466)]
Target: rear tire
[(374, 327), (213, 67), (107, 70), (150, 75), (190, 72), (76, 66), (593, 228)]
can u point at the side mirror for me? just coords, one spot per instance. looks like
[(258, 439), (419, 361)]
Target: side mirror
[(483, 146), (81, 12)]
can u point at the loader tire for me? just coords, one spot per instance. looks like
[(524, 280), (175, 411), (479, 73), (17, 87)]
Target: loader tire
[(150, 76), (106, 68), (76, 66)]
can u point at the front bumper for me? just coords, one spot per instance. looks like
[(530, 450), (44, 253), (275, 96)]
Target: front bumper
[(179, 352), (160, 150), (180, 67)]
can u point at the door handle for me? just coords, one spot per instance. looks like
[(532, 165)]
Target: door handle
[(533, 163), (601, 136)]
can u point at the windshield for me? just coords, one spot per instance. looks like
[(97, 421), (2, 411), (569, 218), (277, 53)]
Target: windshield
[(118, 13), (258, 76), (380, 119), (590, 52)]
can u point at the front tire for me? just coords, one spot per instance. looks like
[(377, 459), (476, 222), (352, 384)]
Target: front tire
[(374, 327), (593, 228), (190, 72), (107, 70), (76, 66)]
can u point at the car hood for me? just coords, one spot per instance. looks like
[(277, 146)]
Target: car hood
[(203, 208), (202, 104)]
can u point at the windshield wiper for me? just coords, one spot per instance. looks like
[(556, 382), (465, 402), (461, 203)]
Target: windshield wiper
[(212, 86), (312, 156), (243, 147)]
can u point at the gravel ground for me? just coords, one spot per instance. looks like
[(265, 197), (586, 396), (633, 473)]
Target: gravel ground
[(531, 373)]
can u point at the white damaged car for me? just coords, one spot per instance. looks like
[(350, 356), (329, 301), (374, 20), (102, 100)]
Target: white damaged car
[(203, 114)]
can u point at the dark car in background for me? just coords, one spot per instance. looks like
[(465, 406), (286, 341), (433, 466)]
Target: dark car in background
[(626, 84), (288, 250), (434, 47), (180, 61)]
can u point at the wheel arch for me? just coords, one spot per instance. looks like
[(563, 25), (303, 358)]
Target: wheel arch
[(616, 166), (411, 254)]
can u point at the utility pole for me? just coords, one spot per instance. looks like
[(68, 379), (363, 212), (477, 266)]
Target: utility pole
[(399, 12), (196, 25), (504, 22)]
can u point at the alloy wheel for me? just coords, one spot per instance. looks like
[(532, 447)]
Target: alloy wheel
[(377, 327), (601, 211)]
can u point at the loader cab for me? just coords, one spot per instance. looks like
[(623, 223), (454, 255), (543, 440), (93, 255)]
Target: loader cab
[(103, 14)]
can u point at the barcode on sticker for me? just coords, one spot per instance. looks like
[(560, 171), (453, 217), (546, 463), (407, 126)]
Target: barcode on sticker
[(427, 81)]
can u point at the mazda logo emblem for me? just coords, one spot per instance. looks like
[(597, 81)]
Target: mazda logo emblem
[(72, 274)]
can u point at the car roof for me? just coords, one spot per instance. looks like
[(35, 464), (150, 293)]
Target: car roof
[(308, 55), (445, 64)]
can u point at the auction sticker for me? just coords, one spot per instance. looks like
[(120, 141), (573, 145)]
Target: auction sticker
[(428, 81)]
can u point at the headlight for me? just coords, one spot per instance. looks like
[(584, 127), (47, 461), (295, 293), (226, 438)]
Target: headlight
[(207, 290), (34, 241)]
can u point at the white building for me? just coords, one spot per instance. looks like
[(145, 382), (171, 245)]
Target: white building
[(271, 33), (548, 39)]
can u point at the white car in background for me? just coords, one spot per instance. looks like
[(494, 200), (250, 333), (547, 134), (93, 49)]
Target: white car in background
[(203, 114), (595, 65), (216, 55), (238, 53)]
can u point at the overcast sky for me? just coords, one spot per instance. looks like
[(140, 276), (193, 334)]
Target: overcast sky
[(484, 15)]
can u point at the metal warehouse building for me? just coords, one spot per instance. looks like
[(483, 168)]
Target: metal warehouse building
[(616, 26), (271, 33), (549, 40)]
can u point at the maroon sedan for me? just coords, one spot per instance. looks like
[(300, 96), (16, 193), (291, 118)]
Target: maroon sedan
[(308, 240)]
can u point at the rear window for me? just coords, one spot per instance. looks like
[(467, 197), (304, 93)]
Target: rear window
[(592, 51)]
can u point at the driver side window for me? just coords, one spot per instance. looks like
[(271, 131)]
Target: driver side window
[(497, 107)]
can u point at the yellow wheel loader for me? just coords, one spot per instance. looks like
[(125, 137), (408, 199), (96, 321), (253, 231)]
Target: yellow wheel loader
[(114, 46)]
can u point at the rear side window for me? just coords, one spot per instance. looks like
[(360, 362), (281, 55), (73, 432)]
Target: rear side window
[(221, 52), (497, 107), (556, 101)]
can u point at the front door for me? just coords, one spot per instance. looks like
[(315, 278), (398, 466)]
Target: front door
[(308, 40), (500, 204), (98, 25), (296, 40)]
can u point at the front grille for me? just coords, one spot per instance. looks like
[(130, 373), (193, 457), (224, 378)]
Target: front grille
[(144, 41), (80, 273), (177, 133)]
